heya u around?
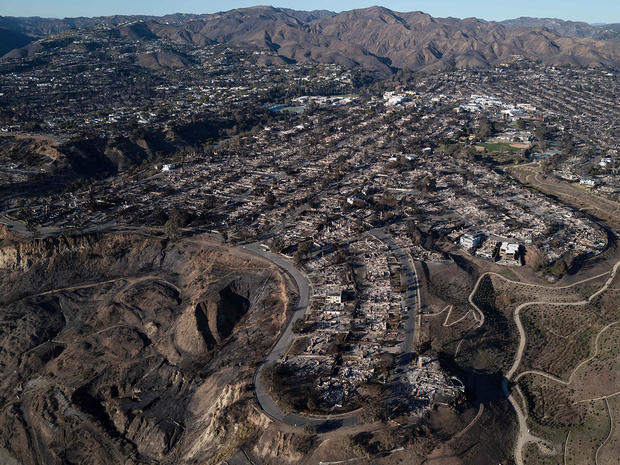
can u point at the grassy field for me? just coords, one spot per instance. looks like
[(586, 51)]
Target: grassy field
[(498, 147)]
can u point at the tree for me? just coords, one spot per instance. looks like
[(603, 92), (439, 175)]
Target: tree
[(568, 145), (298, 257), (415, 234), (310, 429), (428, 184), (542, 133), (312, 404), (305, 247), (471, 153), (277, 245), (485, 128), (160, 217)]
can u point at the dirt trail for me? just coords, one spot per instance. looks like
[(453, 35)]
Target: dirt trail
[(445, 324), (524, 435), (609, 396), (522, 335), (611, 430), (113, 349), (131, 280), (566, 447), (472, 422), (582, 363)]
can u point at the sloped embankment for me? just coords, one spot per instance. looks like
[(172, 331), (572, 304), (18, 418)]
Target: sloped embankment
[(121, 348)]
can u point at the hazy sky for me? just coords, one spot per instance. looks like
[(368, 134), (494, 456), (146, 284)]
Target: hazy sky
[(579, 10)]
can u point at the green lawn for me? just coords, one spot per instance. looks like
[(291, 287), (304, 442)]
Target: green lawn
[(499, 147)]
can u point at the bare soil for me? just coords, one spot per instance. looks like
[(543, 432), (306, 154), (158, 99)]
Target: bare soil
[(121, 348)]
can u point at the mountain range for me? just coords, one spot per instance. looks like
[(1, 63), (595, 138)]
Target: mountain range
[(376, 38), (568, 28)]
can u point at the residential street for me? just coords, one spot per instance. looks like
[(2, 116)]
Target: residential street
[(410, 305), (410, 302), (264, 399)]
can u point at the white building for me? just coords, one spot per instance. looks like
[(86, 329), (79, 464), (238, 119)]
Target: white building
[(509, 250), (394, 99), (471, 240), (588, 182)]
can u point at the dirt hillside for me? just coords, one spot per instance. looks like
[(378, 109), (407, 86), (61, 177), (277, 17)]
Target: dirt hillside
[(127, 349)]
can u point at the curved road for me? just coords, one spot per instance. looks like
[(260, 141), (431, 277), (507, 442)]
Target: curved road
[(410, 302), (279, 349), (581, 200)]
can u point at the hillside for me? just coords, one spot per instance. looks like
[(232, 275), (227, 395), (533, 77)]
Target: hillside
[(374, 38), (567, 28), (10, 40), (123, 345)]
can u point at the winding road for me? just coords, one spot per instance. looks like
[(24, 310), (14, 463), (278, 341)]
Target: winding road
[(410, 303), (583, 200), (329, 422), (279, 349)]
